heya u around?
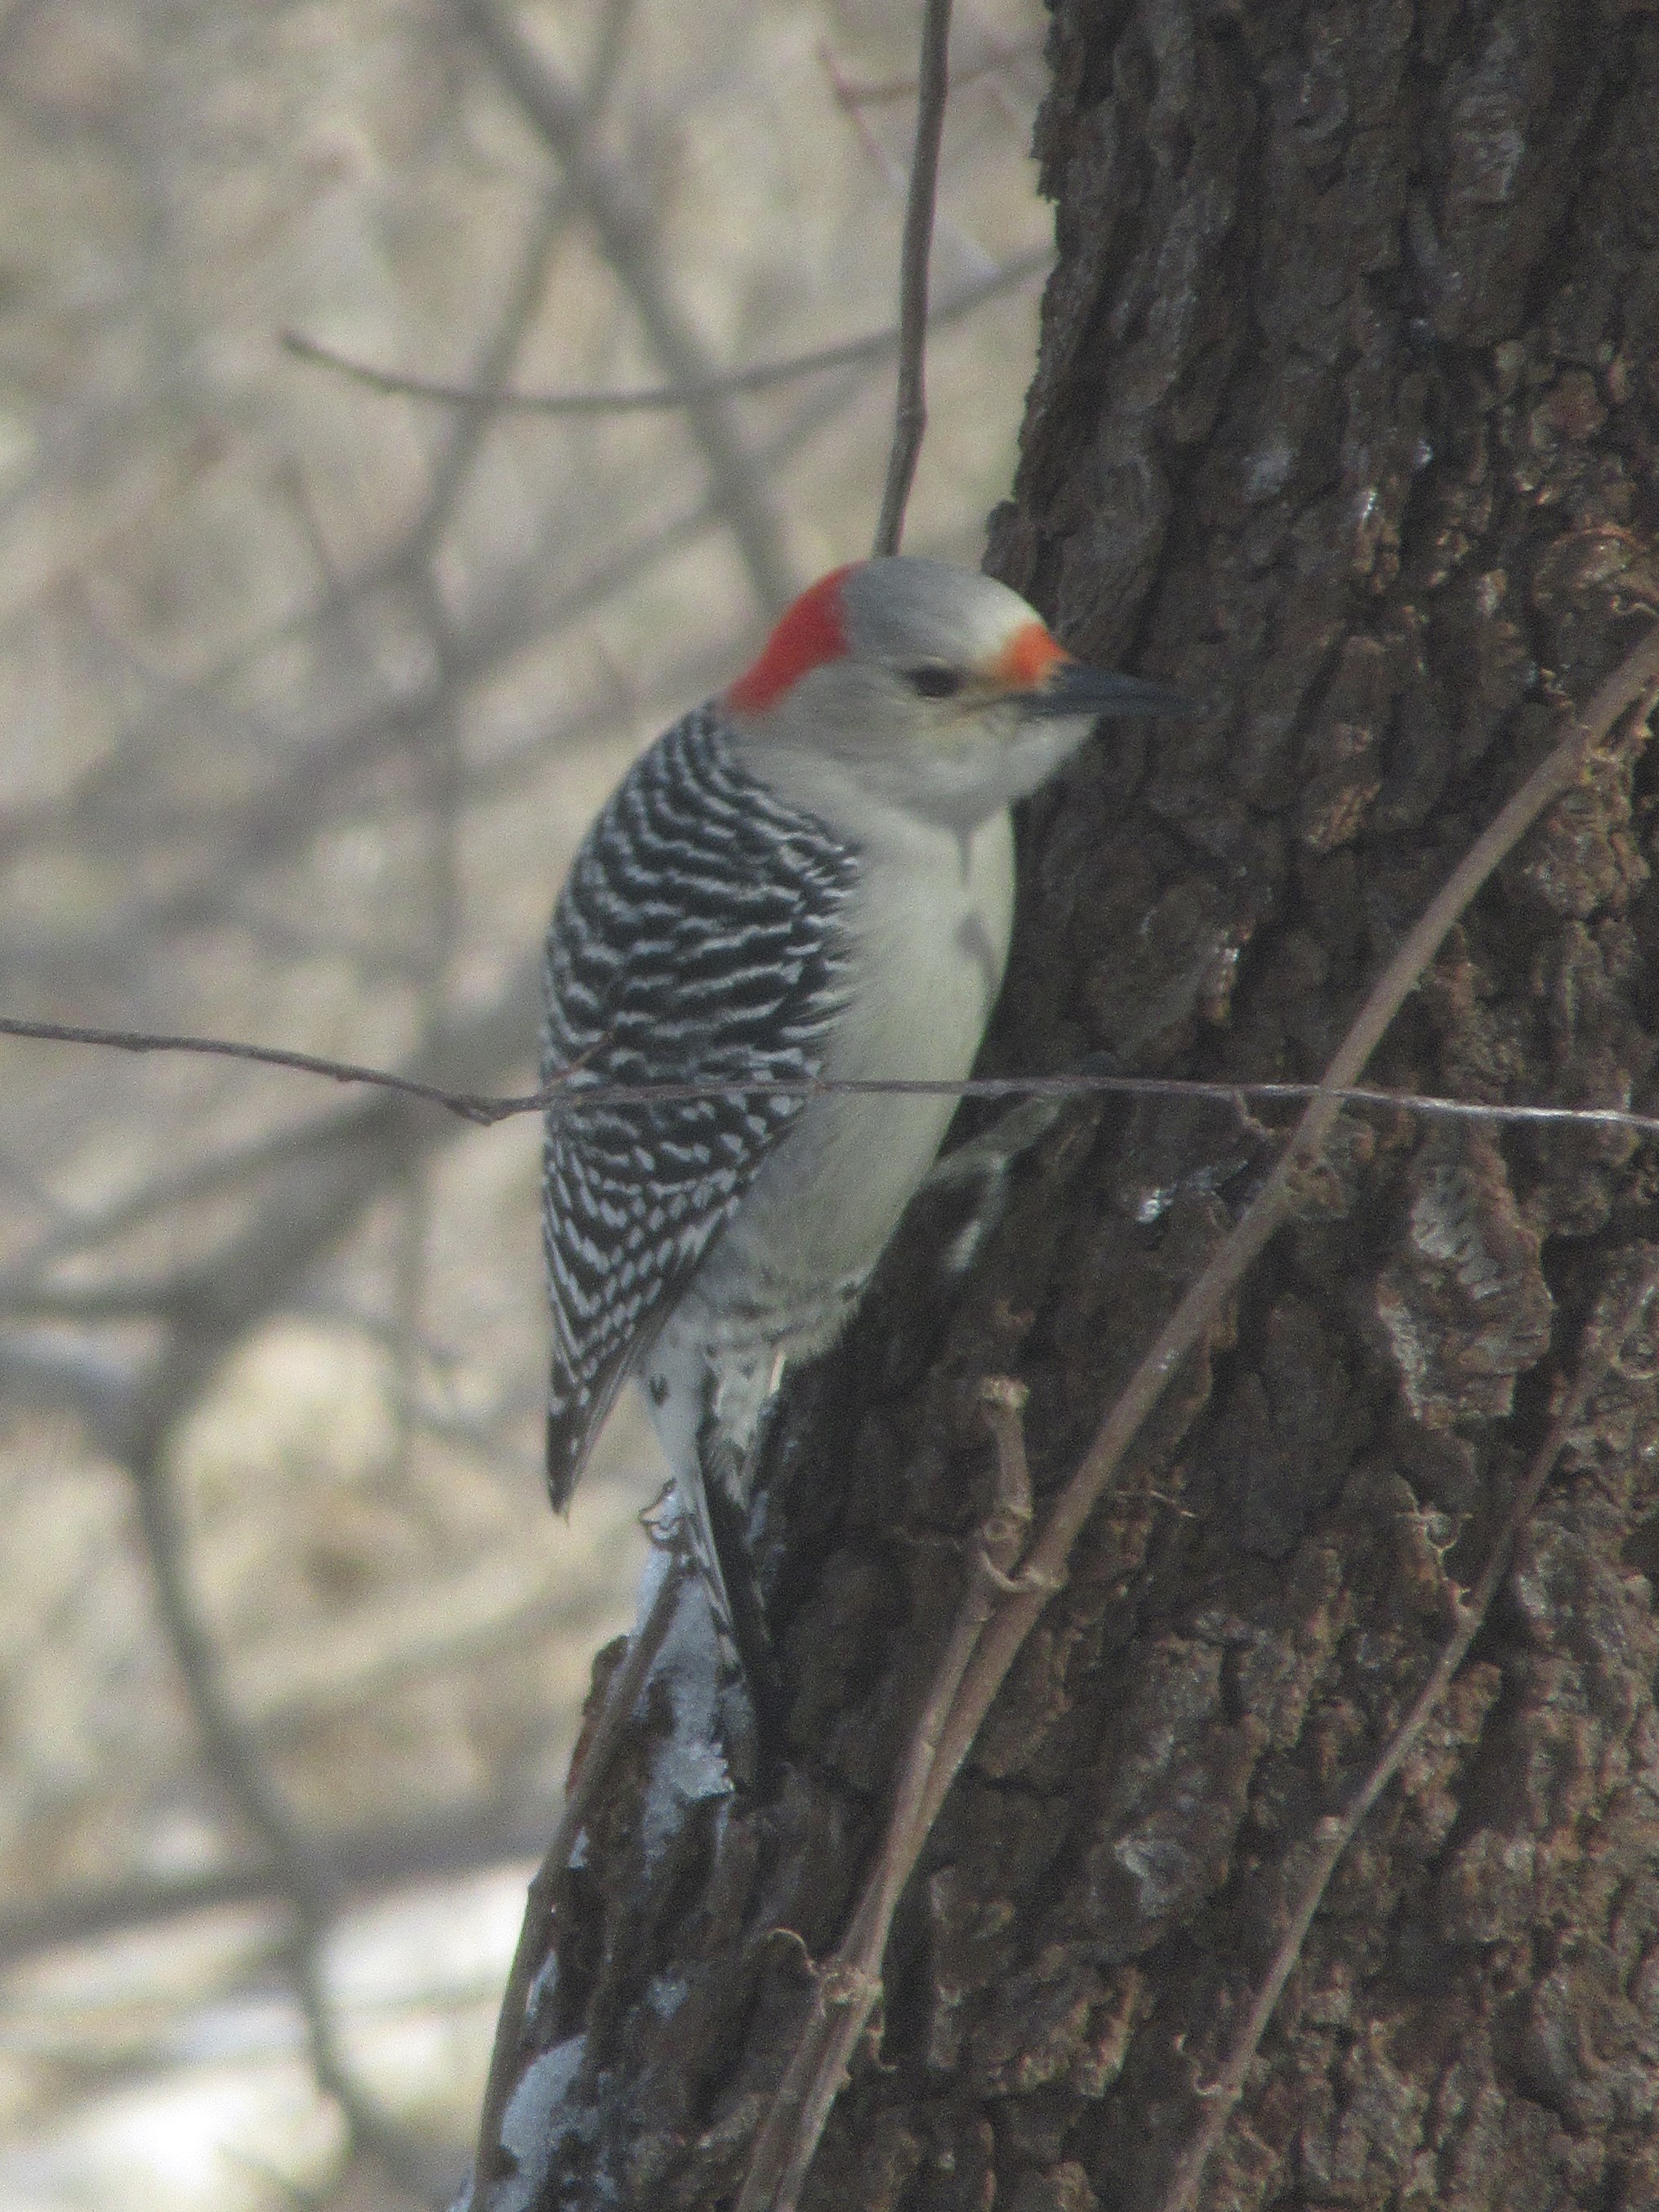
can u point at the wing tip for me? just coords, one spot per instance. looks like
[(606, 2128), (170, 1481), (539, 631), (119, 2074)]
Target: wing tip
[(567, 1440)]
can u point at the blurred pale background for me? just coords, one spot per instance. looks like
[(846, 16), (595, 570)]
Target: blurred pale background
[(307, 692)]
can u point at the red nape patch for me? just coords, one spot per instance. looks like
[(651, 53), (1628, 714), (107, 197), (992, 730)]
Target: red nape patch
[(1029, 656), (808, 633)]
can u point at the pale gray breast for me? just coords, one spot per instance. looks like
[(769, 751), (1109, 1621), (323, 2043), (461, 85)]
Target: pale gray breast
[(929, 925)]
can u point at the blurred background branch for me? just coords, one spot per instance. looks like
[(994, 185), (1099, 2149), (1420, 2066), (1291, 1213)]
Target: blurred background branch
[(309, 689)]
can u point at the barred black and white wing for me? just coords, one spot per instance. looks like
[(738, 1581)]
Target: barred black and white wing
[(697, 939)]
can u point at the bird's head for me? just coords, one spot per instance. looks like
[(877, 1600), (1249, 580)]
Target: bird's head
[(930, 685)]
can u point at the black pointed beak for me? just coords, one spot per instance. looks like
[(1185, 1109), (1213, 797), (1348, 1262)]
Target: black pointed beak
[(1074, 689)]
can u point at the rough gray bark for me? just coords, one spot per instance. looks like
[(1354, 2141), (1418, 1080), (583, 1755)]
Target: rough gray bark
[(1346, 415)]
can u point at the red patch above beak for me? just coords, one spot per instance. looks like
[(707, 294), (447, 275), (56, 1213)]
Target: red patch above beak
[(1029, 659)]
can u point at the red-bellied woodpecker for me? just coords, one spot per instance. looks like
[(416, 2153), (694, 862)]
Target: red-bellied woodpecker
[(812, 876)]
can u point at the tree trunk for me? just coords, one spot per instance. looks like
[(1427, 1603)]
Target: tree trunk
[(1345, 419)]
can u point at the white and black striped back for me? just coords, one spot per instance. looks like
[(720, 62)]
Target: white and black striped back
[(696, 940)]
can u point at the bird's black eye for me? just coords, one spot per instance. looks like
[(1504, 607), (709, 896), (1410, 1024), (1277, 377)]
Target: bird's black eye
[(935, 682)]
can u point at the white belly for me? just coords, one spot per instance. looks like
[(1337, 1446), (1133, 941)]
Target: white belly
[(933, 919), (934, 929)]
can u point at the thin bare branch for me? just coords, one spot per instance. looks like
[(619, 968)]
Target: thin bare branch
[(1606, 1335), (52, 1376), (910, 417), (625, 232), (996, 58), (816, 2067), (308, 1882), (455, 464), (376, 1078), (370, 2127), (454, 467), (368, 1861), (485, 1108), (663, 399)]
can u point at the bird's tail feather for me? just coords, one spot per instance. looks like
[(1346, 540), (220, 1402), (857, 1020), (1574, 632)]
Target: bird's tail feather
[(717, 1537)]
